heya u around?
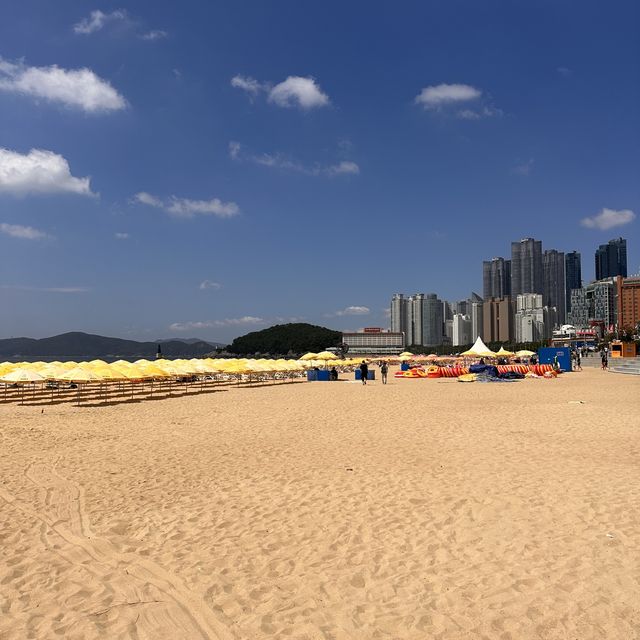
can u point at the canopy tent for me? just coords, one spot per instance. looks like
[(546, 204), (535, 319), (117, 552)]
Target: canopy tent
[(504, 352), (479, 349)]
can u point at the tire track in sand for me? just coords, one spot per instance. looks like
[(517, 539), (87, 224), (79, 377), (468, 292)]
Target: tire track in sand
[(60, 507)]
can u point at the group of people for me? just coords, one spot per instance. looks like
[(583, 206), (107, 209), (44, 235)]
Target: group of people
[(577, 359), (364, 371)]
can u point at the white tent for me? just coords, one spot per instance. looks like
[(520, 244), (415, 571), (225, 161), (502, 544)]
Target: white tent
[(479, 349)]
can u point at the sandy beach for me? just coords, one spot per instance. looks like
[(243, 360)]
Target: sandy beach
[(420, 509)]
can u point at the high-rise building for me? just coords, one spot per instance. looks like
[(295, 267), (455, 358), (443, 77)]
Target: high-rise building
[(432, 320), (533, 320), (595, 302), (461, 330), (496, 278), (497, 320), (399, 313), (415, 319), (572, 275), (554, 292), (477, 320), (526, 267), (628, 302), (447, 311), (611, 259)]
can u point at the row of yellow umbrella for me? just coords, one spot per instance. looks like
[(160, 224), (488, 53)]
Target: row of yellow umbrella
[(140, 370)]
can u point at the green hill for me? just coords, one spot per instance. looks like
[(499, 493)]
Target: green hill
[(282, 339), (88, 346)]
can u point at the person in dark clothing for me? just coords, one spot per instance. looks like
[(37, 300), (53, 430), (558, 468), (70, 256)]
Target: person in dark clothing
[(364, 372), (384, 369), (333, 373), (605, 362)]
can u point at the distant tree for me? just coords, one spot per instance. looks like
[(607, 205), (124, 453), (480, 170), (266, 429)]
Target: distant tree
[(293, 338)]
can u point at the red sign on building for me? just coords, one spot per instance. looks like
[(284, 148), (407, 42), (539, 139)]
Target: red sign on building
[(372, 330)]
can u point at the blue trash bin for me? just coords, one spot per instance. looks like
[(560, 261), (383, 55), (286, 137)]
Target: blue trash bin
[(371, 375)]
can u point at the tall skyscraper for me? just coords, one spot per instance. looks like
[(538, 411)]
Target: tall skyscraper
[(417, 314), (572, 274), (432, 320), (611, 259), (461, 334), (497, 320), (477, 320), (496, 278), (399, 314), (554, 292), (526, 267)]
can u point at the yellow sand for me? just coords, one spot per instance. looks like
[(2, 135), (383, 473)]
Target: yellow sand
[(423, 509)]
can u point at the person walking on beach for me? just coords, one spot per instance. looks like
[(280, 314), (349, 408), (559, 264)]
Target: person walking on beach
[(384, 369), (364, 372), (605, 362)]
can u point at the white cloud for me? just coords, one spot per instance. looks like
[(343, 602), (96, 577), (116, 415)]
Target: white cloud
[(121, 236), (248, 84), (353, 311), (236, 321), (18, 231), (39, 171), (280, 161), (211, 324), (155, 34), (524, 168), (609, 218), (446, 98), (16, 287), (97, 20), (564, 71), (440, 95), (209, 284), (476, 114), (300, 92), (344, 167), (146, 198), (468, 114), (77, 88), (295, 91), (234, 150), (185, 208)]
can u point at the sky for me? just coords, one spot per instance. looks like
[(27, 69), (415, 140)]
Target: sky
[(201, 169)]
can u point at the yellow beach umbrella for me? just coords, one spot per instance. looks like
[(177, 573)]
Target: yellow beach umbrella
[(525, 353), (406, 354), (79, 374), (22, 376), (326, 355), (308, 356)]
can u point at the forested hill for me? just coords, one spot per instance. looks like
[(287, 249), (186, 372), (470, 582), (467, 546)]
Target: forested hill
[(88, 346), (282, 339)]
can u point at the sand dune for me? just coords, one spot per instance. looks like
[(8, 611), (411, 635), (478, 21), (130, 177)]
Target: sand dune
[(420, 509)]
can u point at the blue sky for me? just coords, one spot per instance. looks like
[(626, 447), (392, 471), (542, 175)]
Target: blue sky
[(207, 169)]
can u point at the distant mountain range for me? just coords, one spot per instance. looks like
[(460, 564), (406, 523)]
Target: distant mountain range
[(88, 346)]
